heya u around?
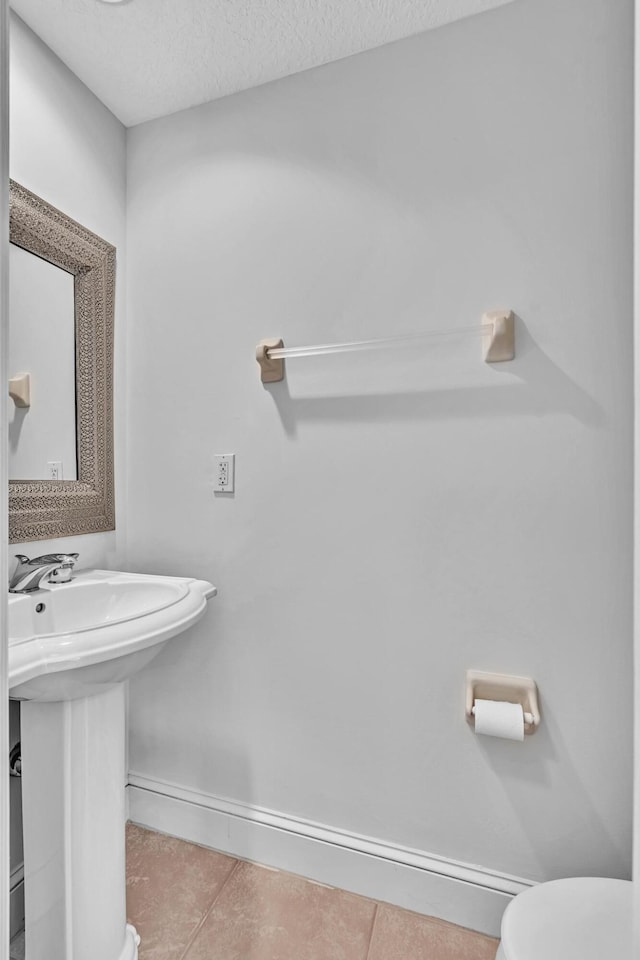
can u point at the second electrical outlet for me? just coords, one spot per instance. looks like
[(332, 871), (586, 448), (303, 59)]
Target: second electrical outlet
[(225, 470)]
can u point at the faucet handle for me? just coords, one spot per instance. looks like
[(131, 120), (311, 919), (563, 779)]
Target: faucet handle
[(62, 573)]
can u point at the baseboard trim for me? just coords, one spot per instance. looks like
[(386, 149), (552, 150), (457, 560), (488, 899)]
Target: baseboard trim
[(461, 893)]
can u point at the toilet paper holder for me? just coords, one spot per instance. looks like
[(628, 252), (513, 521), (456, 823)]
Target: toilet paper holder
[(502, 687)]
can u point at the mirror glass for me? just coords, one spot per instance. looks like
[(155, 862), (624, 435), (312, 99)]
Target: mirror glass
[(42, 437)]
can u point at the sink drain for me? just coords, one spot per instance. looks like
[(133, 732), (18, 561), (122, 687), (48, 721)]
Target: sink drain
[(40, 607)]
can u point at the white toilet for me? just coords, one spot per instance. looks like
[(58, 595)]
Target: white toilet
[(584, 918)]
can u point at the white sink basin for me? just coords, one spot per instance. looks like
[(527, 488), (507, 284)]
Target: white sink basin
[(75, 639)]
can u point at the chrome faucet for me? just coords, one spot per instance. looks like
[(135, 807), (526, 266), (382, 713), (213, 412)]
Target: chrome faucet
[(29, 574)]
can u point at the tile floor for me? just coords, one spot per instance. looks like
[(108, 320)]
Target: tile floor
[(191, 903)]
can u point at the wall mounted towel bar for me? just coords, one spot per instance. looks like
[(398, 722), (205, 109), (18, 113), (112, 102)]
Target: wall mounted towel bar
[(497, 330)]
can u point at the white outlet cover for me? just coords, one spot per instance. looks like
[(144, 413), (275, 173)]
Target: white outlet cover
[(224, 472)]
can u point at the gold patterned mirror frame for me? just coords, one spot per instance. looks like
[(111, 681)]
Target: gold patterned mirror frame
[(45, 509)]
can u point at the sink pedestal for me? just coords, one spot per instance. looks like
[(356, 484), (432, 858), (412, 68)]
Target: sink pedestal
[(73, 798)]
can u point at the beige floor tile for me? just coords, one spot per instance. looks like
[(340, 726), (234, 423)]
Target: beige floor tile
[(170, 886), (266, 915), (400, 935)]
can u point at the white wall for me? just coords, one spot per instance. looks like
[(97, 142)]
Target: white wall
[(397, 518), (69, 149)]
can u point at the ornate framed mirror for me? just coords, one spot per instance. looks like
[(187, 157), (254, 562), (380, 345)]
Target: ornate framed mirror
[(42, 509)]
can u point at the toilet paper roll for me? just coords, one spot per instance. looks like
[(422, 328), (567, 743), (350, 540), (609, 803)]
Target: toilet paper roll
[(495, 718)]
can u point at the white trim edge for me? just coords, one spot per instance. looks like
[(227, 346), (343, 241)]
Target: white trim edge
[(5, 905), (461, 893), (636, 483)]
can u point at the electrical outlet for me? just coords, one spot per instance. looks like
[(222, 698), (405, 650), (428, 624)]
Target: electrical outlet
[(224, 477), (54, 469)]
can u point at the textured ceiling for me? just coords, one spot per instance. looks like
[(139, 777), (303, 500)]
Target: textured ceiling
[(147, 58)]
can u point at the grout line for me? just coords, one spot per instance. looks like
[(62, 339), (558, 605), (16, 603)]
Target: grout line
[(373, 927), (206, 913)]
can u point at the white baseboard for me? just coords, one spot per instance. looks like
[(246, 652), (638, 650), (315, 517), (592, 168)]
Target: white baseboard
[(458, 892)]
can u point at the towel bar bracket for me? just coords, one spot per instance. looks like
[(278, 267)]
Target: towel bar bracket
[(271, 371)]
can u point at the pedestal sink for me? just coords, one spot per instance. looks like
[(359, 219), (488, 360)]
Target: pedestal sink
[(71, 647)]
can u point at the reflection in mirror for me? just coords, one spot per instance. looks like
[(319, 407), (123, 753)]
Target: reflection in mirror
[(42, 436)]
